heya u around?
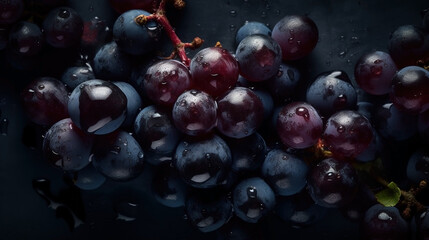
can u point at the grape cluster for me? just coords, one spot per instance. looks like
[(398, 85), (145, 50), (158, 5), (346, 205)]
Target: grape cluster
[(228, 138)]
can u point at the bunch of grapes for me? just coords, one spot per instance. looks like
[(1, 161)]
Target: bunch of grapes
[(230, 136)]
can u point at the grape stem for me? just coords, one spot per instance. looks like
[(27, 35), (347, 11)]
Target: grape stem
[(409, 202), (179, 46)]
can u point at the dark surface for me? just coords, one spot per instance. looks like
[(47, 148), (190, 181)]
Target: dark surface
[(347, 29)]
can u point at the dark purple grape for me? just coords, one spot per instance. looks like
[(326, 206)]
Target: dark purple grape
[(165, 81), (63, 27), (45, 101), (97, 106), (251, 28), (240, 113), (418, 166), (125, 5), (374, 72), (422, 221), (110, 63), (347, 134), (74, 76), (410, 91), (167, 186), (134, 103), (385, 223), (332, 92), (267, 102), (333, 183), (26, 39), (66, 146), (88, 178), (194, 113), (299, 125), (214, 70), (118, 156), (133, 38), (207, 212), (10, 11), (284, 83), (154, 130), (299, 210), (286, 173), (259, 57), (409, 45), (253, 199), (296, 35), (248, 153), (394, 124), (372, 151), (203, 163)]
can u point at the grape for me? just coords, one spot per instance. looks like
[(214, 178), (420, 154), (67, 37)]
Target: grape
[(97, 106), (423, 225), (134, 103), (253, 199), (331, 92), (66, 146), (214, 70), (125, 5), (110, 63), (332, 183), (410, 91), (155, 132), (299, 210), (240, 113), (88, 178), (208, 213), (251, 28), (11, 11), (248, 153), (45, 101), (118, 156), (74, 76), (133, 38), (167, 186), (374, 72), (372, 151), (203, 163), (363, 200), (299, 125), (26, 38), (394, 124), (166, 80), (284, 83), (384, 223), (194, 113), (408, 45), (259, 57), (347, 134), (296, 35), (63, 27), (285, 173), (418, 166)]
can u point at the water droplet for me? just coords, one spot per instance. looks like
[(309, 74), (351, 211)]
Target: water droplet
[(341, 129), (342, 54), (41, 87), (303, 112), (340, 102), (384, 216), (378, 61), (263, 14), (233, 13), (290, 40), (185, 217), (140, 155), (251, 192), (64, 13), (284, 157), (116, 150), (232, 27)]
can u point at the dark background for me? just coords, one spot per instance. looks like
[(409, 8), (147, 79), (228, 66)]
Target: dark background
[(347, 29)]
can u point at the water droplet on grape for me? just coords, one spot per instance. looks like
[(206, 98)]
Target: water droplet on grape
[(303, 112), (251, 192), (341, 129), (384, 216)]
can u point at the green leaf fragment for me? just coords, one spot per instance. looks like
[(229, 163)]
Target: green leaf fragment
[(390, 196)]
